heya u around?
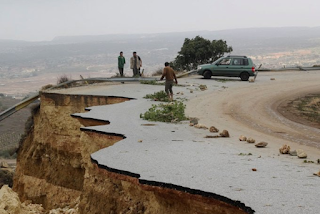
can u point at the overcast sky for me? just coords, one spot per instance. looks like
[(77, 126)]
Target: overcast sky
[(36, 20)]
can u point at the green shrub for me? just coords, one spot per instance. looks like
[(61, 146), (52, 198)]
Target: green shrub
[(166, 112), (158, 96)]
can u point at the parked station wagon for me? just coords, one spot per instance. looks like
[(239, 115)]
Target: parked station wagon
[(229, 66)]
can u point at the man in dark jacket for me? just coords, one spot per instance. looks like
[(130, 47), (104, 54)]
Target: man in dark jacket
[(121, 62)]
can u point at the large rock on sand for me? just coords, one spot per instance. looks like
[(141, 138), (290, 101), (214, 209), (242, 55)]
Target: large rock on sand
[(200, 126), (285, 149), (301, 153), (293, 153), (251, 140), (9, 201), (224, 133), (213, 129), (242, 138), (261, 144), (194, 120)]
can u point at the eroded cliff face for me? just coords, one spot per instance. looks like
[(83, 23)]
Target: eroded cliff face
[(54, 167)]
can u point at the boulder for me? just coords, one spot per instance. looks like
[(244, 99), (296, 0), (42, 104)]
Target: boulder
[(224, 133), (317, 174), (285, 149), (9, 201), (242, 138), (200, 126), (251, 140), (293, 153), (261, 144), (194, 120), (203, 87), (301, 153), (213, 129)]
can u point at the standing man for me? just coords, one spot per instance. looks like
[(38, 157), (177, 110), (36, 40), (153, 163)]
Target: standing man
[(121, 62), (169, 74), (135, 64)]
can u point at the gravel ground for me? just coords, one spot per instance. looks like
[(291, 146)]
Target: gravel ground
[(180, 155)]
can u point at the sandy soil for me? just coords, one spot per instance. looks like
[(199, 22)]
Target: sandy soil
[(305, 110), (252, 109)]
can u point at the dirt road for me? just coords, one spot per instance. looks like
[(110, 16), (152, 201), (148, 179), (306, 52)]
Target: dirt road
[(251, 109)]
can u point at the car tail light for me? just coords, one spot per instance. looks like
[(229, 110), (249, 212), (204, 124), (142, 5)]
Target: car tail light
[(253, 69)]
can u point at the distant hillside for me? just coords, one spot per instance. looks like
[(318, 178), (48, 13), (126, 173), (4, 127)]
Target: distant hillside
[(97, 52)]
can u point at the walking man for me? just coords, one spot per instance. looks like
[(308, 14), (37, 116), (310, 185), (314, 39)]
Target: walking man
[(121, 62), (135, 64), (169, 74)]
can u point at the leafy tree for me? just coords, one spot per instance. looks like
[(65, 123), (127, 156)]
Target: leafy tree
[(199, 51)]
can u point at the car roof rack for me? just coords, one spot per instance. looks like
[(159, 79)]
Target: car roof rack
[(236, 56)]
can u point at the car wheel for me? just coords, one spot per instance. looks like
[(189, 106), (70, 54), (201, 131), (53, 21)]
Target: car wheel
[(207, 74), (244, 76)]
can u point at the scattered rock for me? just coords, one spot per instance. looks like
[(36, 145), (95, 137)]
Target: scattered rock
[(251, 140), (285, 149), (181, 93), (224, 133), (140, 141), (242, 138), (191, 91), (293, 153), (317, 174), (272, 78), (254, 169), (261, 144), (9, 201), (191, 124), (200, 126), (251, 80), (301, 153), (4, 164), (318, 160), (194, 120), (203, 87), (11, 204), (213, 129)]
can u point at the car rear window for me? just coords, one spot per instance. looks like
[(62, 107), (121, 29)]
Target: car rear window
[(240, 61)]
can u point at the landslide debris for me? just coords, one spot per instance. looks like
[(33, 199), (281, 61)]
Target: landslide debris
[(285, 149)]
